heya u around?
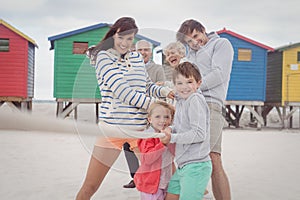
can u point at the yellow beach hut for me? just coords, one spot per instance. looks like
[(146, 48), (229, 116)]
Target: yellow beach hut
[(283, 80)]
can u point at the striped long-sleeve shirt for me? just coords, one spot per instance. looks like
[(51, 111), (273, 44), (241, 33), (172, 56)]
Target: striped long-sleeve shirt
[(126, 89)]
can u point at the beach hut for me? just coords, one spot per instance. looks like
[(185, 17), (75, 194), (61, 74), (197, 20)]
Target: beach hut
[(74, 78), (283, 81), (17, 62), (247, 86)]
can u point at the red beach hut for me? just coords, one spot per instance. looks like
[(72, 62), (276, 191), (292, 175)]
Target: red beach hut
[(17, 59)]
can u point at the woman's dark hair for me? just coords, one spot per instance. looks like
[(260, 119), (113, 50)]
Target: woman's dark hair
[(187, 27), (123, 26)]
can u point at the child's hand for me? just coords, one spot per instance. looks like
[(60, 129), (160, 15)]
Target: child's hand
[(167, 138), (168, 130), (171, 95)]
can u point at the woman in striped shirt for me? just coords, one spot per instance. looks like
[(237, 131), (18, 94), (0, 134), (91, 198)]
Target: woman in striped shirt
[(127, 92)]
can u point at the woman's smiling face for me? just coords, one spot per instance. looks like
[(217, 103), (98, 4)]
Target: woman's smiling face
[(123, 43), (173, 57)]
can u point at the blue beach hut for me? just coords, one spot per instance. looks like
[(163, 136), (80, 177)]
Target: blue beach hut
[(247, 86)]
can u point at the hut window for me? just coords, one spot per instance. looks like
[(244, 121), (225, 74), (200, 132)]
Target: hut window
[(244, 54), (4, 45), (298, 56), (80, 47)]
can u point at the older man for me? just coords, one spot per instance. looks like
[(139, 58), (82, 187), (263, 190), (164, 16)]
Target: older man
[(155, 71)]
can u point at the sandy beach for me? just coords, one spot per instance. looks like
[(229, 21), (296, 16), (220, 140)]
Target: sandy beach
[(261, 165)]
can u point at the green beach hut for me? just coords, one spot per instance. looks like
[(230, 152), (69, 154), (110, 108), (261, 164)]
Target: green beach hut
[(74, 78)]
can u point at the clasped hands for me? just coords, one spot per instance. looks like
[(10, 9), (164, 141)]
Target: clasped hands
[(166, 139)]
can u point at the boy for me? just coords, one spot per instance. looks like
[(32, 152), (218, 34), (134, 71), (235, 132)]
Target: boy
[(191, 135), (213, 55)]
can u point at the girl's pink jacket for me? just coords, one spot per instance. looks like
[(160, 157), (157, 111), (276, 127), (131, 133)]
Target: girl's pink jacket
[(147, 176)]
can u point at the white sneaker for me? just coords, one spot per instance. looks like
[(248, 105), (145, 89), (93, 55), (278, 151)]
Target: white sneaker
[(208, 196)]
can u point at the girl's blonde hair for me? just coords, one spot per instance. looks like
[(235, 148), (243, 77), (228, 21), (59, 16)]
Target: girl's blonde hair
[(165, 105), (178, 46)]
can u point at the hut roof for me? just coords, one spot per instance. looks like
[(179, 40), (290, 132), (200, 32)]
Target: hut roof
[(288, 46), (89, 28), (7, 25), (224, 30)]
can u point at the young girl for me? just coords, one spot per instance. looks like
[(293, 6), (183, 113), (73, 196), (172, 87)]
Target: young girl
[(127, 93), (155, 171)]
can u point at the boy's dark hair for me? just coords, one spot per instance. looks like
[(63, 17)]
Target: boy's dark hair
[(187, 27), (187, 70)]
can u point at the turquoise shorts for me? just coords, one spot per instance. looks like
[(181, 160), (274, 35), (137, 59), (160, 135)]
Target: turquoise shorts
[(190, 181)]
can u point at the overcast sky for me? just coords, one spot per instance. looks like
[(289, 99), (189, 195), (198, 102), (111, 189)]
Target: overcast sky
[(273, 23)]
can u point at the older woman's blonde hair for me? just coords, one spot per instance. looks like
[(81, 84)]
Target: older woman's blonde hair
[(178, 46)]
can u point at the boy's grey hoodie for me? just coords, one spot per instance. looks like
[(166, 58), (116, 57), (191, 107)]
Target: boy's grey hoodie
[(214, 60), (191, 130)]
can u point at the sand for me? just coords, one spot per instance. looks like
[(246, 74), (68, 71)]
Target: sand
[(46, 165)]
